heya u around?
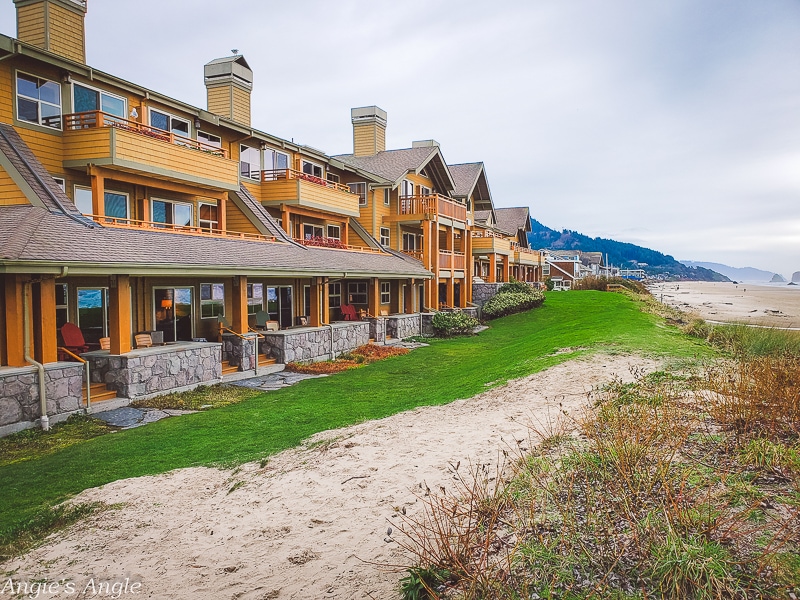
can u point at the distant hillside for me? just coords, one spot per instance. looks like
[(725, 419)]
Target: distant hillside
[(620, 254), (735, 273)]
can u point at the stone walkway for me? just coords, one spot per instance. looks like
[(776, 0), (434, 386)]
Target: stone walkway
[(273, 381), (129, 417)]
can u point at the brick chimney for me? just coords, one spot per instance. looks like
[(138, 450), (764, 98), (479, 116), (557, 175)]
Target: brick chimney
[(369, 130), (229, 83), (54, 25)]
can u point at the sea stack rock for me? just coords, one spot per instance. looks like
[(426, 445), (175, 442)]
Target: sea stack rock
[(796, 277), (777, 278)]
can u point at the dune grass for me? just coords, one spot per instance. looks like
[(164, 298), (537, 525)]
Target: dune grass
[(515, 346)]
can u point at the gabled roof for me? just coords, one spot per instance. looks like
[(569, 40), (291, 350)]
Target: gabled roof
[(470, 180), (236, 58), (511, 220), (391, 166)]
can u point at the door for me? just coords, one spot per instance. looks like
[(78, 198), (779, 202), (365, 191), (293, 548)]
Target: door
[(174, 313), (279, 305)]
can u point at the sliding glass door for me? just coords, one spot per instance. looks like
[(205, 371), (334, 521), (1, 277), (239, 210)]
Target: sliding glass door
[(174, 313)]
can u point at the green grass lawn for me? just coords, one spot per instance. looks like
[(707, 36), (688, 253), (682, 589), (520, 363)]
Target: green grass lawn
[(268, 423)]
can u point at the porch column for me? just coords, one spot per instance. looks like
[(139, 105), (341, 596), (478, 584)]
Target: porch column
[(505, 268), (451, 294), (222, 212), (14, 333), (43, 321), (315, 308), (239, 300), (492, 268), (469, 261), (434, 288), (374, 300), (408, 301), (285, 220), (119, 315), (346, 234), (98, 194), (326, 308)]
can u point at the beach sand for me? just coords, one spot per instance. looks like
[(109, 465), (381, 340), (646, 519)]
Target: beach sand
[(312, 522), (775, 306)]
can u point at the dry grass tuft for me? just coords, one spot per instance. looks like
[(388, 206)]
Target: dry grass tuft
[(363, 355)]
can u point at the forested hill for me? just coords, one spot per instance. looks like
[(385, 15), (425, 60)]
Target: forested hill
[(620, 254)]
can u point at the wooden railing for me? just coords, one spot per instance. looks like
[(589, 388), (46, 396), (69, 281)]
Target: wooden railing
[(172, 228), (485, 233), (97, 118), (86, 373), (432, 204), (414, 254), (451, 260), (335, 244), (283, 174)]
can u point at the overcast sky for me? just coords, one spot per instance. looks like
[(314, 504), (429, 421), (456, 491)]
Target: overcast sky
[(675, 125)]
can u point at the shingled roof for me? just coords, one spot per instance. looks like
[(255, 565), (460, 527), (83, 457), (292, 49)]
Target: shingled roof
[(511, 220), (391, 166), (470, 180)]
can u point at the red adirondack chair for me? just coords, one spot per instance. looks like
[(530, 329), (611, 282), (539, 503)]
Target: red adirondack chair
[(349, 312), (73, 340)]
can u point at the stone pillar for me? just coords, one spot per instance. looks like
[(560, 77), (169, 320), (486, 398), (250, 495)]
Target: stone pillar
[(119, 315), (15, 332), (239, 301), (43, 321)]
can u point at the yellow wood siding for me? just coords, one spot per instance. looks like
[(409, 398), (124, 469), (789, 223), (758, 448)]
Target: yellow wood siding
[(368, 139), (46, 146), (297, 192), (219, 101), (10, 193), (30, 24), (66, 33), (7, 95), (241, 106), (253, 188), (87, 144), (237, 221), (490, 244)]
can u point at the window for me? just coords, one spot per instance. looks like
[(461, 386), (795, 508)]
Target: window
[(332, 177), (38, 101), (255, 298), (93, 313), (212, 300), (546, 269), (306, 300), (360, 190), (167, 122), (334, 232), (386, 295), (209, 138), (385, 238), (274, 160), (172, 213), (409, 241), (62, 304), (249, 162), (386, 196), (208, 217), (357, 293), (311, 231), (407, 188), (335, 295), (61, 182), (115, 203), (85, 99), (310, 168), (424, 191)]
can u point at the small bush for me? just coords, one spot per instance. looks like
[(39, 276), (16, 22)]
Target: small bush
[(601, 284), (448, 324), (513, 297)]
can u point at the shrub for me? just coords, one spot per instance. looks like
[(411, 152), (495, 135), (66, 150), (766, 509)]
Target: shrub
[(448, 324), (601, 284), (513, 297)]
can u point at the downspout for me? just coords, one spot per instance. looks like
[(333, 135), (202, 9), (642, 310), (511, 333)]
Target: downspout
[(27, 346)]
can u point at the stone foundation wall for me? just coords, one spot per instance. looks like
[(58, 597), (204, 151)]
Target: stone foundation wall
[(403, 326), (311, 344), (377, 330), (427, 323), (154, 370), (19, 393), (239, 352), (483, 292)]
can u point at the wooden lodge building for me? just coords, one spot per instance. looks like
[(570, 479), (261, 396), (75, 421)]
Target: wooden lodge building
[(139, 220)]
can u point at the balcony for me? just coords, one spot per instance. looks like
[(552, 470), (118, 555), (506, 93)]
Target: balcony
[(140, 225), (295, 188), (453, 261), (487, 242), (334, 243), (106, 140), (525, 256), (421, 208)]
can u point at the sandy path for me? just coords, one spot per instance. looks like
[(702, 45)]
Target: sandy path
[(776, 306), (313, 521)]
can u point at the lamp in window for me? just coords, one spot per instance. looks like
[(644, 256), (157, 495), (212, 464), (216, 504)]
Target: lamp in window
[(196, 123), (166, 304)]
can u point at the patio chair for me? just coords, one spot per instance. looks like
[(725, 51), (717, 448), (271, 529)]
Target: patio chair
[(143, 340), (105, 343), (348, 312), (264, 323), (73, 340)]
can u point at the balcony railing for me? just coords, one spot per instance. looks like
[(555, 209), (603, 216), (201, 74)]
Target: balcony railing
[(335, 243), (283, 174), (414, 254), (432, 204), (97, 118), (172, 228), (485, 233), (451, 260)]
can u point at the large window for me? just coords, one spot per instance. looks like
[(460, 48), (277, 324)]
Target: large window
[(85, 99), (62, 304), (385, 237), (255, 298), (386, 295), (313, 169), (359, 189), (335, 295), (212, 300), (311, 231), (249, 162), (407, 189), (172, 213), (38, 101), (116, 203), (334, 232), (210, 139), (209, 216), (93, 313), (409, 241), (357, 292), (424, 191), (275, 160), (168, 122)]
